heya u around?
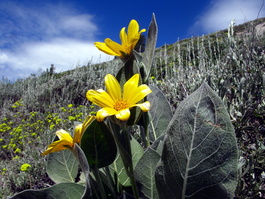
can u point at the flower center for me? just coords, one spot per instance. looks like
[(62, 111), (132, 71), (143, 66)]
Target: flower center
[(121, 104)]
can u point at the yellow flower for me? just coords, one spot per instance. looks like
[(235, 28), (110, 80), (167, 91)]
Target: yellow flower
[(116, 103), (66, 141), (4, 171), (16, 157), (25, 167), (128, 41)]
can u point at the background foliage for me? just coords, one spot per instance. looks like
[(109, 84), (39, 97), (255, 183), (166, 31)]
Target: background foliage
[(230, 61)]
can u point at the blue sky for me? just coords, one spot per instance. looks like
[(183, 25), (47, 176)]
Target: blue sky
[(35, 34)]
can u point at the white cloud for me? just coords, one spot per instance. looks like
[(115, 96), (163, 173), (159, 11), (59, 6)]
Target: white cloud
[(45, 22), (220, 13), (36, 37), (65, 54), (3, 58)]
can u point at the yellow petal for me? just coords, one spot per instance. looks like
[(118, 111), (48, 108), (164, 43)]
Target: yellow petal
[(130, 86), (134, 40), (104, 48), (89, 119), (117, 48), (144, 106), (143, 30), (133, 29), (105, 112), (133, 34), (57, 146), (100, 98), (78, 133), (123, 37), (113, 87), (64, 135), (138, 94), (123, 115)]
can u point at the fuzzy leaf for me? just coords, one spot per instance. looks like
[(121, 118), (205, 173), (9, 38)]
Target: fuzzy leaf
[(58, 191), (85, 169), (145, 170), (200, 155), (127, 71), (62, 166), (161, 113), (150, 47), (117, 166), (145, 173)]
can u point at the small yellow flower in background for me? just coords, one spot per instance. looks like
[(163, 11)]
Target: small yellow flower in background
[(4, 171), (16, 157), (25, 167), (71, 118), (66, 141), (52, 126), (63, 109), (116, 103), (17, 150), (128, 41)]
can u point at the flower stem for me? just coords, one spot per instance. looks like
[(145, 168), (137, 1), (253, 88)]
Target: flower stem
[(100, 184), (126, 155)]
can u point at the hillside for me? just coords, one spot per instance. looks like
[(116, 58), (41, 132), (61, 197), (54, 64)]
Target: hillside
[(231, 61), (11, 92)]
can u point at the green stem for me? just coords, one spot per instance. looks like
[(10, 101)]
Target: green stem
[(130, 173), (126, 155), (95, 191), (110, 182), (147, 140), (99, 182)]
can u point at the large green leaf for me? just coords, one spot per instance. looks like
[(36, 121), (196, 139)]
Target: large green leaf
[(148, 57), (62, 166), (200, 154), (98, 145), (145, 169), (127, 71), (117, 166), (161, 113), (145, 174), (58, 191)]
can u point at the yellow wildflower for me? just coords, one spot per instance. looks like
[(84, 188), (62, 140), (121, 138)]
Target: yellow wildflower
[(116, 103), (128, 41), (66, 141), (4, 171), (15, 157), (25, 167)]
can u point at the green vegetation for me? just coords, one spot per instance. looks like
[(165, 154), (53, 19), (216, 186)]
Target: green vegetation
[(233, 64)]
